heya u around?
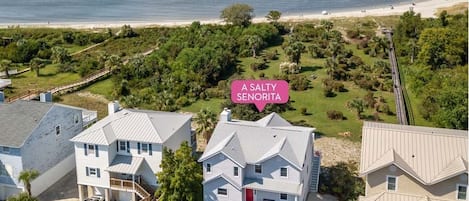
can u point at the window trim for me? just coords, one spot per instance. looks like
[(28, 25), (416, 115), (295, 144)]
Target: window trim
[(286, 169), (387, 183), (257, 165), (218, 192), (91, 149), (208, 168), (457, 191), (280, 196), (143, 151), (124, 145), (95, 172)]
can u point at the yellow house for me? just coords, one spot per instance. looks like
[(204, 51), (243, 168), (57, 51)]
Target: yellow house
[(413, 163)]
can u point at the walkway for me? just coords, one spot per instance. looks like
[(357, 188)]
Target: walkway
[(401, 111)]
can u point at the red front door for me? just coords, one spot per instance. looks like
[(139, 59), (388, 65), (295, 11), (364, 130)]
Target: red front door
[(249, 195)]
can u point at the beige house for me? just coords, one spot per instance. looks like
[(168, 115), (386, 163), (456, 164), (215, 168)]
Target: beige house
[(413, 163)]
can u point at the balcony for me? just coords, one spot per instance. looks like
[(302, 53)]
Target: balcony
[(130, 186)]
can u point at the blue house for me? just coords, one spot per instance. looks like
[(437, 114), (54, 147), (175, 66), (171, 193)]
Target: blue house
[(35, 135)]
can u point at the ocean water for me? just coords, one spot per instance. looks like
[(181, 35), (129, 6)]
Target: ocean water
[(56, 11)]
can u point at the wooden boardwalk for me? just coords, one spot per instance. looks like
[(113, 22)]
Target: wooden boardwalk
[(74, 86)]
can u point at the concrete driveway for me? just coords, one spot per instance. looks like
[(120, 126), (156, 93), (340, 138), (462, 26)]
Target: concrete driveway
[(66, 189)]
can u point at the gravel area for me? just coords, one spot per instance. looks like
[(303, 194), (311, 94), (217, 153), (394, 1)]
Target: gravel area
[(335, 150)]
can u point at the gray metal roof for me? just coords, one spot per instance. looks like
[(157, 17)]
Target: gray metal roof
[(430, 155), (134, 125), (125, 164), (19, 119), (253, 142), (273, 185)]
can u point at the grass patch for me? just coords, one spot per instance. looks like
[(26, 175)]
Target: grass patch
[(48, 79), (89, 103), (459, 8), (213, 105), (103, 87)]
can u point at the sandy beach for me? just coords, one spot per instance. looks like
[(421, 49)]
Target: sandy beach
[(425, 8)]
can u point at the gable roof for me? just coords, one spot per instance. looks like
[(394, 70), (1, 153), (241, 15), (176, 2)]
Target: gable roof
[(19, 119), (226, 178), (249, 142), (393, 196), (430, 155), (134, 125)]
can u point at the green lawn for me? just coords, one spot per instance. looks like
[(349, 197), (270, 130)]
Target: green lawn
[(48, 79), (213, 105), (89, 103), (313, 99), (103, 87)]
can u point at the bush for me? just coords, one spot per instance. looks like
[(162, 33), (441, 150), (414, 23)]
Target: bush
[(182, 101), (328, 91), (304, 111), (262, 75), (271, 55), (342, 180), (257, 66), (299, 82), (335, 115), (353, 33)]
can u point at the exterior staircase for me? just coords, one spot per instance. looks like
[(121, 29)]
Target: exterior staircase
[(315, 171), (130, 186)]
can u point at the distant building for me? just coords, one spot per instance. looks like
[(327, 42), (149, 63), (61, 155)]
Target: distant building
[(117, 158), (35, 135), (401, 162), (265, 160)]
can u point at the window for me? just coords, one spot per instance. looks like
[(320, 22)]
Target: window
[(91, 149), (284, 172), (144, 148), (57, 130), (122, 145), (193, 138), (222, 191), (6, 150), (462, 191), (209, 167), (283, 196), (391, 183), (235, 171), (92, 171), (258, 168)]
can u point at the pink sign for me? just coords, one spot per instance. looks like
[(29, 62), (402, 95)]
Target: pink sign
[(259, 92)]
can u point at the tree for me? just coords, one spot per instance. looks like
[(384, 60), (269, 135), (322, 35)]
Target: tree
[(22, 197), (181, 176), (36, 64), (127, 32), (443, 18), (113, 62), (238, 14), (358, 105), (342, 180), (294, 51), (442, 48), (255, 42), (328, 25), (206, 121), (60, 55), (26, 176), (5, 66), (273, 16)]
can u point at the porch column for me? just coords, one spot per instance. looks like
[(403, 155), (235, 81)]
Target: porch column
[(106, 194), (90, 191), (80, 192), (133, 182), (134, 196)]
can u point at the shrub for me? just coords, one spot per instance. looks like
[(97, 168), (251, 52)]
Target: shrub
[(257, 66), (304, 111), (182, 101), (335, 115), (328, 91), (262, 75), (353, 33), (299, 82), (342, 180), (271, 55)]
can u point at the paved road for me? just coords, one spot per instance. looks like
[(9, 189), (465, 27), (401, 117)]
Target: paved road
[(401, 112)]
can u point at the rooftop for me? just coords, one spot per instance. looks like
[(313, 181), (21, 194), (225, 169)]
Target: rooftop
[(430, 155)]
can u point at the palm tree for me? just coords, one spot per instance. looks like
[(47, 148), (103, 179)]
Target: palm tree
[(205, 121), (273, 16), (60, 55), (294, 51), (35, 64), (328, 25), (335, 48), (113, 62), (358, 105), (26, 176), (255, 42), (5, 66), (22, 197)]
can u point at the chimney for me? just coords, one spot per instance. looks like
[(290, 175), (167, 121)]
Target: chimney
[(45, 97), (225, 115), (112, 107), (2, 97)]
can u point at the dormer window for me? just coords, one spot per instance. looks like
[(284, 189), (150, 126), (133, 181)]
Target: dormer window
[(391, 183), (57, 130), (208, 167), (122, 146)]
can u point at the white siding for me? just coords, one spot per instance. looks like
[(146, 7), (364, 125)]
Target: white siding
[(101, 162), (221, 164), (211, 188), (271, 170)]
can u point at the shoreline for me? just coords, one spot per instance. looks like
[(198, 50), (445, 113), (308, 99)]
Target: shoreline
[(427, 9)]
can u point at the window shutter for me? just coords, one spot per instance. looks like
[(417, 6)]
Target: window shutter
[(96, 150), (86, 149), (117, 143), (128, 147), (87, 172), (98, 173), (149, 149), (138, 147)]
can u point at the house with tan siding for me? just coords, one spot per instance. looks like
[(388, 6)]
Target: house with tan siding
[(407, 163)]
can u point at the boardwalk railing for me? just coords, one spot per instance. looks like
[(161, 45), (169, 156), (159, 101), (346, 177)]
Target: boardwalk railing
[(130, 186)]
